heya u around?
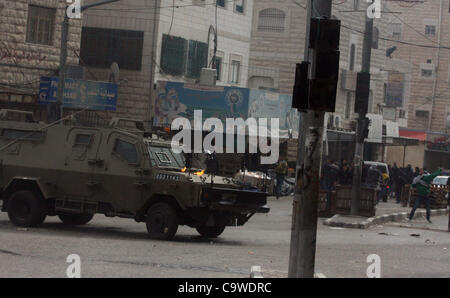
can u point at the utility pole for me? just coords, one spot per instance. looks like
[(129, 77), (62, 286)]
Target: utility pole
[(63, 53), (361, 107), (310, 145)]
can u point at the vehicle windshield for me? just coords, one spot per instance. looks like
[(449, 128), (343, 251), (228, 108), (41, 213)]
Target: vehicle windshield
[(164, 157), (440, 180)]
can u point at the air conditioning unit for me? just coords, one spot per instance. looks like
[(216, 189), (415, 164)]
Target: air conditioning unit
[(208, 77)]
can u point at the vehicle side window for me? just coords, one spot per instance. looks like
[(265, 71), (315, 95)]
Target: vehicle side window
[(22, 134), (126, 150), (83, 140)]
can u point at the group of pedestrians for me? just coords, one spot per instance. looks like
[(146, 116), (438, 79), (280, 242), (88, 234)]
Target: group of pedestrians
[(401, 176)]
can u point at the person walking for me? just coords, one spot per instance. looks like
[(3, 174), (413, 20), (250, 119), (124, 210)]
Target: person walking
[(281, 171), (330, 175), (422, 185)]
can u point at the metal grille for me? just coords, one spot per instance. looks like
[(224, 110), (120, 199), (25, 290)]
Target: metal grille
[(40, 27), (101, 47), (271, 20), (89, 119)]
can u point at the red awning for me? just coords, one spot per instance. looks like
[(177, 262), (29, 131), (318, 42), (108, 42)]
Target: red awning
[(418, 135)]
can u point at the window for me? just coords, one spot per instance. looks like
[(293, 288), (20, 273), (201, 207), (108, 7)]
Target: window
[(165, 157), (239, 6), (348, 106), (197, 58), (173, 55), (83, 140), (427, 73), (421, 114), (396, 29), (22, 134), (101, 47), (430, 30), (220, 3), (235, 71), (182, 57), (218, 65), (402, 114), (271, 20), (127, 151), (352, 57), (355, 4), (40, 26)]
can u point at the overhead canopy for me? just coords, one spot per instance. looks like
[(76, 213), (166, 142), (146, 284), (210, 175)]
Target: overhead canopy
[(418, 135)]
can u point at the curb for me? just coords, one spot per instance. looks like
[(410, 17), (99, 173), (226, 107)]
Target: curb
[(255, 272), (381, 219)]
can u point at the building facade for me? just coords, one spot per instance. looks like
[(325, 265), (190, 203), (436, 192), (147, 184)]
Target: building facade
[(278, 39), (166, 40), (419, 34), (30, 39)]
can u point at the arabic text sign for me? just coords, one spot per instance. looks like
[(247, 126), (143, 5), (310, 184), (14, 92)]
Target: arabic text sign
[(181, 100), (267, 104), (80, 94)]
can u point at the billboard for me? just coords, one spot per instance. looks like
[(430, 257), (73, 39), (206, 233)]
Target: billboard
[(268, 104), (174, 99), (80, 94)]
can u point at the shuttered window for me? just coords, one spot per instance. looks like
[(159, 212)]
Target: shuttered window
[(197, 59), (181, 57), (173, 55)]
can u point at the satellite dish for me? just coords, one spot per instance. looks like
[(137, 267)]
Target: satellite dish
[(114, 76)]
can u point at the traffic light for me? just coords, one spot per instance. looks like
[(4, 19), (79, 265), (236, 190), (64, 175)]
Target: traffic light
[(363, 129), (362, 93), (301, 87), (318, 93)]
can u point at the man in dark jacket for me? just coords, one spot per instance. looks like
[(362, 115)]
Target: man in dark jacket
[(422, 185), (330, 174)]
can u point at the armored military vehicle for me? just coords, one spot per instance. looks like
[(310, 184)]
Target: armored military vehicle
[(74, 171)]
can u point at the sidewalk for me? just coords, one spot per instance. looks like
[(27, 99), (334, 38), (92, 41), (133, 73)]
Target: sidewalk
[(385, 212)]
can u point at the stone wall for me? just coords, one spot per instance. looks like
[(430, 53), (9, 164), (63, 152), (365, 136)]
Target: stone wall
[(22, 63)]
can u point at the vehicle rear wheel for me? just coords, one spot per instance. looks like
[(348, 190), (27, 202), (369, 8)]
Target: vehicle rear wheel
[(162, 221), (75, 219), (26, 209), (210, 232)]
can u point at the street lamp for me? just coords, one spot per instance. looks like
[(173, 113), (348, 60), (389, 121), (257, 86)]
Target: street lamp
[(63, 53)]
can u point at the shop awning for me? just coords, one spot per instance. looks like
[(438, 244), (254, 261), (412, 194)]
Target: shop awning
[(411, 134)]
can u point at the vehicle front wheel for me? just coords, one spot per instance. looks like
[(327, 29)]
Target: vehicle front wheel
[(26, 209), (210, 232), (162, 221), (75, 219)]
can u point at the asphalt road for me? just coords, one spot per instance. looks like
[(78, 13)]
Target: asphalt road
[(112, 247)]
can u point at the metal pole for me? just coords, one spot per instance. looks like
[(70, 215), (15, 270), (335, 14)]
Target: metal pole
[(310, 145), (153, 64), (62, 64), (359, 147)]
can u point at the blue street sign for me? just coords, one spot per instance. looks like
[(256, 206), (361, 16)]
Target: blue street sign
[(80, 94)]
